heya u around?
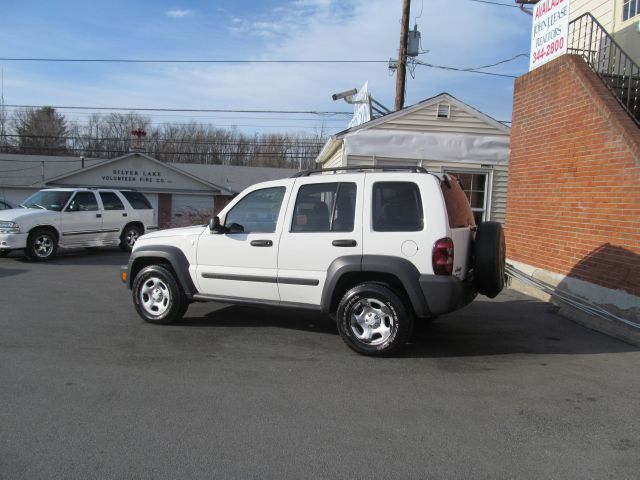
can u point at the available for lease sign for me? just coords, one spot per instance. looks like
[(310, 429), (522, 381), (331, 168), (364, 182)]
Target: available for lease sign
[(549, 31)]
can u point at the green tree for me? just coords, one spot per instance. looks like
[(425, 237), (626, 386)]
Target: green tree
[(41, 131)]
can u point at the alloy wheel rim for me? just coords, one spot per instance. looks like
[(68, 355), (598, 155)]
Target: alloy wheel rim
[(371, 321), (43, 245), (155, 296), (132, 237)]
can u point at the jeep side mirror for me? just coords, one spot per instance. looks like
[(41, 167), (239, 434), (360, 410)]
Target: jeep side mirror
[(214, 225), (235, 228)]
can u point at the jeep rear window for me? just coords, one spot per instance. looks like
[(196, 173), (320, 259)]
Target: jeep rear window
[(397, 207), (137, 200), (458, 208)]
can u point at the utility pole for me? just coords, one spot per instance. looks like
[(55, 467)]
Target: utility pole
[(402, 55)]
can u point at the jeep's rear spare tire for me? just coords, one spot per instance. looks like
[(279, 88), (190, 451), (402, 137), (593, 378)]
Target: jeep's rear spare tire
[(489, 254)]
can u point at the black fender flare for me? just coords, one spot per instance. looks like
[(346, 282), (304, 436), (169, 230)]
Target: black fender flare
[(173, 255), (401, 268)]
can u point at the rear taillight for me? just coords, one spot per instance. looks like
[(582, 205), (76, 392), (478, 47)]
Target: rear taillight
[(442, 256)]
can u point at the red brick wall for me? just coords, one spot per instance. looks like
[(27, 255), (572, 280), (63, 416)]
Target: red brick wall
[(573, 204), (164, 210)]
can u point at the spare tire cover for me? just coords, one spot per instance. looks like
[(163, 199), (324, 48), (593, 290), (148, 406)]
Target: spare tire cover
[(489, 253)]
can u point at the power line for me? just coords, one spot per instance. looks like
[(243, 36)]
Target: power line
[(500, 62), (259, 154), (191, 110), (495, 3), (140, 60), (304, 142), (443, 67)]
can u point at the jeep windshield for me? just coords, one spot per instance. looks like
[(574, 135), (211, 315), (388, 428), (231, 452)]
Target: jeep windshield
[(47, 200)]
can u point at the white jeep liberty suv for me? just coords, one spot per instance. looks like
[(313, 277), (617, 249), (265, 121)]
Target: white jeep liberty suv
[(375, 248)]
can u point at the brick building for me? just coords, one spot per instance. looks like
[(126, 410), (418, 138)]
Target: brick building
[(573, 205)]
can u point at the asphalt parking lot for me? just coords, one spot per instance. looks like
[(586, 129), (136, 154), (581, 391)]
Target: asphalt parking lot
[(501, 389)]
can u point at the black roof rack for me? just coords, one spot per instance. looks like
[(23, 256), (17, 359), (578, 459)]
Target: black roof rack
[(399, 168)]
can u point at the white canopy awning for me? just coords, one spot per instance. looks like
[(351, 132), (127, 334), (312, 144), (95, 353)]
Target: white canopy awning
[(442, 146)]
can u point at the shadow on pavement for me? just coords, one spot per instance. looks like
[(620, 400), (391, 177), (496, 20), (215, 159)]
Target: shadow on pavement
[(484, 328), (8, 272), (82, 256)]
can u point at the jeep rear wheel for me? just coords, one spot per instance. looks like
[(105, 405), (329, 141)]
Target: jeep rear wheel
[(157, 296), (374, 320), (489, 256), (41, 245)]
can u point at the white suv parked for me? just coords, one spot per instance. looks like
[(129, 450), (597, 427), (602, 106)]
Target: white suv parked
[(375, 249), (75, 217)]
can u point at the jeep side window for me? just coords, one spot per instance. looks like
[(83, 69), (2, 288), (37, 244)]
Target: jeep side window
[(258, 211), (324, 207), (397, 207), (83, 202), (111, 201)]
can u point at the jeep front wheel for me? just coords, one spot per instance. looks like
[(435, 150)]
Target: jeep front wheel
[(374, 320), (41, 245), (157, 296)]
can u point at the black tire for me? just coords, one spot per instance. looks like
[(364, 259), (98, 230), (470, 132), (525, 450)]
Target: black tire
[(157, 296), (378, 306), (489, 256), (4, 253), (129, 237), (42, 244)]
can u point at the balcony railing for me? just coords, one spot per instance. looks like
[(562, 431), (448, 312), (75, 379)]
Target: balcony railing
[(589, 39)]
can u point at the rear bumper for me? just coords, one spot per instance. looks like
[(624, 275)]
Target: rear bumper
[(445, 293)]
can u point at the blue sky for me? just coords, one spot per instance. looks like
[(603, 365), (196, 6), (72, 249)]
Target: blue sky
[(459, 33)]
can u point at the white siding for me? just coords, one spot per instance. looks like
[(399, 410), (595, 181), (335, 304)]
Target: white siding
[(153, 200), (334, 160), (499, 193), (426, 120), (602, 10)]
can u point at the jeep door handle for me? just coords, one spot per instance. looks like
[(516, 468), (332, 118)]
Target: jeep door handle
[(344, 243), (261, 243), (98, 215), (124, 214)]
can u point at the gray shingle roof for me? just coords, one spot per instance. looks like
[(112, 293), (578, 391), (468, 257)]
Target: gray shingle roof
[(33, 171)]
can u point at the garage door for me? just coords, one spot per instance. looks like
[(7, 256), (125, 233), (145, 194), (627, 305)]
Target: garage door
[(190, 209)]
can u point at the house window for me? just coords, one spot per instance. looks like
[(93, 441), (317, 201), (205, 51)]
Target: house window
[(630, 8), (444, 110), (475, 187)]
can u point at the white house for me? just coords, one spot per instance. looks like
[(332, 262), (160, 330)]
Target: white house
[(441, 134)]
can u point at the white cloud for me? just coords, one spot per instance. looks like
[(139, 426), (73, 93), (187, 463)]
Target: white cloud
[(176, 13)]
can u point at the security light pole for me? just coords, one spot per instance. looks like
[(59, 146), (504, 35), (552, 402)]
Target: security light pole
[(402, 55)]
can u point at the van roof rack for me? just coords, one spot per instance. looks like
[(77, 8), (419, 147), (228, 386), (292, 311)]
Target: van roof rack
[(399, 168)]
